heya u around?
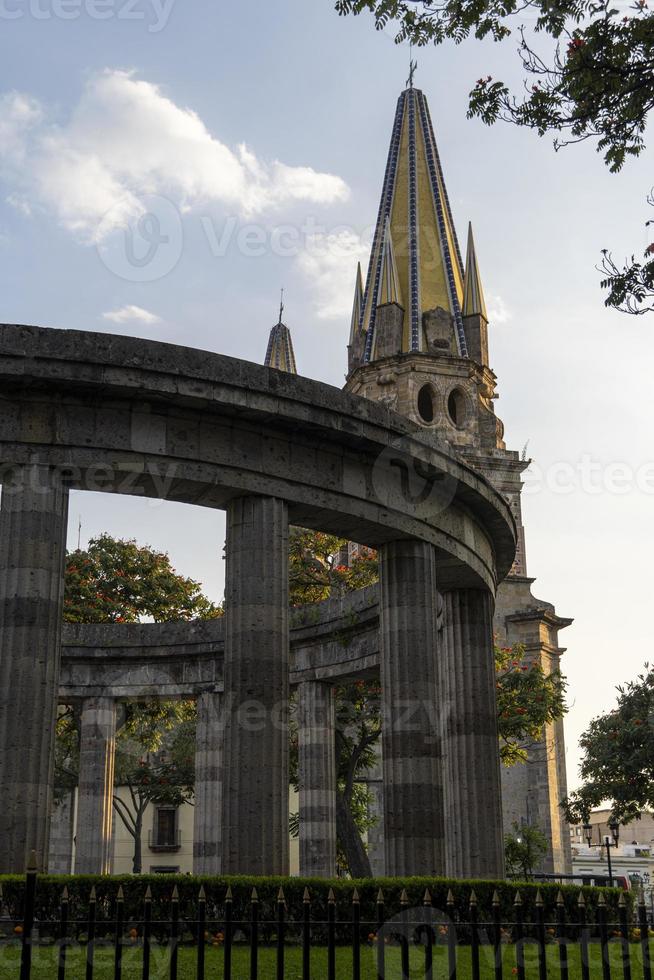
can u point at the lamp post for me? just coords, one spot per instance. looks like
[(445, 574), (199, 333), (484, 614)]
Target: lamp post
[(614, 827)]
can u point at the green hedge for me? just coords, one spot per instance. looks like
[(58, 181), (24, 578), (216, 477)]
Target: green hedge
[(49, 890)]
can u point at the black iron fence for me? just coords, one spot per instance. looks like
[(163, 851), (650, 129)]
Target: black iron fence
[(409, 942)]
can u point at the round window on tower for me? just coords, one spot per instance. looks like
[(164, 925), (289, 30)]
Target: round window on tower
[(456, 407), (426, 403)]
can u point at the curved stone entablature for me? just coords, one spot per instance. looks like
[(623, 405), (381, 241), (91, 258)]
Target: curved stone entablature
[(331, 641), (123, 415)]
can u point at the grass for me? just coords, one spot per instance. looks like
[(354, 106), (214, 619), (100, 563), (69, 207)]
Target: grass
[(45, 963)]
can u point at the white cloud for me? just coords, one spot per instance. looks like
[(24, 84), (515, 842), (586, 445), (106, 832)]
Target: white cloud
[(330, 263), (498, 311), (125, 141), (130, 313)]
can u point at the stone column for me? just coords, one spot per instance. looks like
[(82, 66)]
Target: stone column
[(62, 822), (317, 779), (207, 813), (255, 802), (33, 520), (97, 752), (413, 794), (473, 797)]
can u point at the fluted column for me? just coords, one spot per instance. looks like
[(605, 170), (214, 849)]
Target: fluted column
[(97, 751), (413, 795), (317, 779), (33, 519), (62, 821), (207, 813), (255, 803), (473, 798)]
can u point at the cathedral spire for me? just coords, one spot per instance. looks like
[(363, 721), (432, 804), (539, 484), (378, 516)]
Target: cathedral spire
[(357, 307), (280, 354), (473, 294), (416, 211), (389, 280)]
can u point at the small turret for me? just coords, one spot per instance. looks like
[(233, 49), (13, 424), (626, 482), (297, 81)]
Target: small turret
[(280, 354), (357, 335), (475, 317)]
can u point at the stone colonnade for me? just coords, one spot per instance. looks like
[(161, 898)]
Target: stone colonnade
[(442, 812)]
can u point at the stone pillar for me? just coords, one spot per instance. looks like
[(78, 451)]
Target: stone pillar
[(33, 520), (207, 813), (375, 785), (97, 751), (473, 797), (317, 779), (62, 822), (255, 802), (413, 794)]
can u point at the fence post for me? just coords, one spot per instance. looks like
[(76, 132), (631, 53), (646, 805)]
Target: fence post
[(90, 940), (381, 949), (174, 933), (147, 929), (519, 937), (497, 935), (644, 935), (540, 936), (624, 938), (474, 936), (604, 937), (306, 935), (561, 936), (356, 936), (429, 938), (118, 935), (63, 933), (281, 928), (583, 938), (28, 919), (202, 926), (227, 963), (451, 937), (404, 934), (254, 935), (331, 935)]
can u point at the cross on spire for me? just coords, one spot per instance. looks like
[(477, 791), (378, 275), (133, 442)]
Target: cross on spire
[(412, 68), (281, 304)]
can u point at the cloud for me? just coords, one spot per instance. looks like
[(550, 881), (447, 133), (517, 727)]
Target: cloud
[(329, 262), (498, 311), (128, 314), (124, 141)]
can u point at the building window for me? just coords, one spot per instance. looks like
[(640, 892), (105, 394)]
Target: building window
[(164, 869), (426, 403), (456, 407), (164, 835)]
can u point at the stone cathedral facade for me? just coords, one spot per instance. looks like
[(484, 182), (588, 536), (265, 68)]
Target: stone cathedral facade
[(419, 344)]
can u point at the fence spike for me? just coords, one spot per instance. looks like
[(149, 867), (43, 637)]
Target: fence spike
[(559, 898), (473, 899), (496, 898), (64, 895), (306, 898), (202, 895), (581, 901), (621, 901), (380, 897), (92, 896), (601, 900), (175, 896), (120, 897), (518, 899), (280, 896), (539, 899), (32, 864), (148, 894), (404, 898), (254, 896), (355, 897), (450, 897), (331, 898), (228, 894), (426, 898)]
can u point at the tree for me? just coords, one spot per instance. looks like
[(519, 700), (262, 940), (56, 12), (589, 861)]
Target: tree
[(316, 571), (618, 756), (119, 581), (524, 850), (595, 81), (155, 762)]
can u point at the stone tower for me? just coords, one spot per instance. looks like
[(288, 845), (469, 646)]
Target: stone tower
[(419, 344)]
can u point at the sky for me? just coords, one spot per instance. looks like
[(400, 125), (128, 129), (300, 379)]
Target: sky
[(255, 137)]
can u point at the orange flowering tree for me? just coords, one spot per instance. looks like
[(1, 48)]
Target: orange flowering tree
[(618, 756), (119, 581)]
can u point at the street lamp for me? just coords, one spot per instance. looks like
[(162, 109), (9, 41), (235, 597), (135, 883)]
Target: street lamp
[(614, 827)]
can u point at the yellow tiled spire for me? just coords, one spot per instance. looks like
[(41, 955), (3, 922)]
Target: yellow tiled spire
[(473, 294), (280, 353), (428, 271), (357, 306), (389, 281)]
